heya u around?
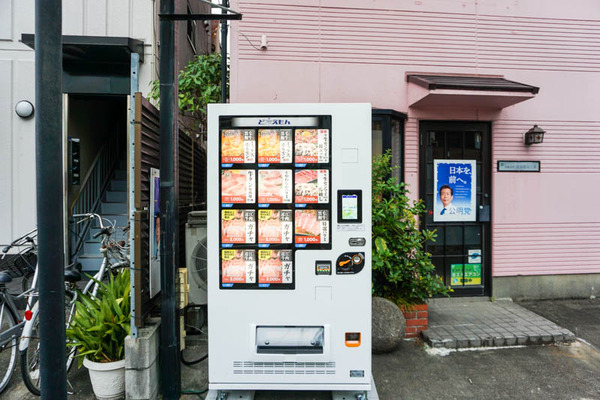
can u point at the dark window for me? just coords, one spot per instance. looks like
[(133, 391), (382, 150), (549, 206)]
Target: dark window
[(387, 132)]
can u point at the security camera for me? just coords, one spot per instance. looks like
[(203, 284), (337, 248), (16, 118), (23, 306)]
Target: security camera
[(263, 42)]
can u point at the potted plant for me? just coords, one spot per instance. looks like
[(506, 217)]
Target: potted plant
[(98, 331), (402, 270)]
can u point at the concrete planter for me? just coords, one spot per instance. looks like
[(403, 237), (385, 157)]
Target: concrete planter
[(108, 379)]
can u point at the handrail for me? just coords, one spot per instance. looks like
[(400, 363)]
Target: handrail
[(90, 195), (87, 178)]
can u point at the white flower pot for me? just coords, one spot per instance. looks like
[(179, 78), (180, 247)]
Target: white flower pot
[(108, 379)]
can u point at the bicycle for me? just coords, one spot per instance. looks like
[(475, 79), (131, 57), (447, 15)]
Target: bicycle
[(11, 323), (115, 256)]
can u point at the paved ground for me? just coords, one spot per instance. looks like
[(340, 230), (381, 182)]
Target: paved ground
[(582, 317), (416, 372), (461, 323)]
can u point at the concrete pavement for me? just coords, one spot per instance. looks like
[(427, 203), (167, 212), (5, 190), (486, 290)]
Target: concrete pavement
[(415, 371)]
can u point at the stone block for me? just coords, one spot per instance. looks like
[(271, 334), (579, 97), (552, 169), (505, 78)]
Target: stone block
[(142, 384), (143, 351), (388, 326), (546, 339), (449, 343), (141, 363)]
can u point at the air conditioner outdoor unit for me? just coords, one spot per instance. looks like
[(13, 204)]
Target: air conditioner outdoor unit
[(195, 255)]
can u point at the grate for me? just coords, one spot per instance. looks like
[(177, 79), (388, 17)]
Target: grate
[(283, 368)]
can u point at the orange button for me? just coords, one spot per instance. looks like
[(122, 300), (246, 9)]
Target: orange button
[(352, 339)]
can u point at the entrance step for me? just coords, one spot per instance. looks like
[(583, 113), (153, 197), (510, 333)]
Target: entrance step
[(455, 324)]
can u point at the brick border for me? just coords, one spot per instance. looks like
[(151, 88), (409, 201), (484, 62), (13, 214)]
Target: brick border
[(417, 317)]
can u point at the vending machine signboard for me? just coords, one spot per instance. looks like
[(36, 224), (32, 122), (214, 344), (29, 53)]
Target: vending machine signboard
[(289, 246)]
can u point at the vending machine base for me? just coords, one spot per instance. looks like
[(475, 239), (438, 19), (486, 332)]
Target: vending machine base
[(335, 395)]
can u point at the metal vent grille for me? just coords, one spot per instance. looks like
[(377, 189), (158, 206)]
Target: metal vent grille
[(283, 368)]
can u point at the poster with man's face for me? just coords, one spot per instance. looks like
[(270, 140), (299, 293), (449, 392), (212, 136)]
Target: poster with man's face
[(455, 190)]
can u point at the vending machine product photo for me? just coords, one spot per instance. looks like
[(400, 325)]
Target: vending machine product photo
[(289, 247)]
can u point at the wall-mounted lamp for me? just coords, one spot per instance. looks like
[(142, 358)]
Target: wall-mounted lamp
[(24, 109), (534, 136)]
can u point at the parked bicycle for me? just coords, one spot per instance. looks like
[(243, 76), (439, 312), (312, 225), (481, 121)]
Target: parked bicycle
[(115, 256), (11, 323)]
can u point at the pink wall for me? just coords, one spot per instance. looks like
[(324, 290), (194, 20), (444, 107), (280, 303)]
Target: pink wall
[(356, 51)]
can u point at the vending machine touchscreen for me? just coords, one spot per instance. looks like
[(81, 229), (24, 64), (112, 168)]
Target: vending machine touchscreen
[(289, 246)]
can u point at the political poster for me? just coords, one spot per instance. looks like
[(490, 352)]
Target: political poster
[(455, 190)]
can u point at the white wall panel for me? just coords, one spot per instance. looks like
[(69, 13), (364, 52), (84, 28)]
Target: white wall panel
[(95, 17), (24, 191), (73, 17), (118, 18), (6, 19), (6, 111)]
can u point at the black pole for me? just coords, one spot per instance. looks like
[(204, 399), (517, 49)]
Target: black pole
[(170, 360), (49, 186), (224, 55)]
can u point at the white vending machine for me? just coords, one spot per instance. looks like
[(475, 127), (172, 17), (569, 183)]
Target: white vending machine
[(289, 247)]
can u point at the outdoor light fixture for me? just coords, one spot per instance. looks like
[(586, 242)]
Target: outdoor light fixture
[(24, 109), (534, 136)]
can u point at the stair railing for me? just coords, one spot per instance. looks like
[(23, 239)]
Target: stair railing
[(92, 189)]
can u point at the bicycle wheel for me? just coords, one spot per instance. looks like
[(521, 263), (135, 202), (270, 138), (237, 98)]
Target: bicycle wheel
[(8, 349), (30, 357)]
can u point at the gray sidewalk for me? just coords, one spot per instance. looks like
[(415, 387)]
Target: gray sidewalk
[(479, 322)]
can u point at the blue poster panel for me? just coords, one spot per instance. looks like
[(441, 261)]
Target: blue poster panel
[(455, 190)]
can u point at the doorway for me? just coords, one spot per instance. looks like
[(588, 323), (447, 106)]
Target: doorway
[(462, 250)]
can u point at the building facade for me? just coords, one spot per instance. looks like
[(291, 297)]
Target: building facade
[(99, 38), (465, 80)]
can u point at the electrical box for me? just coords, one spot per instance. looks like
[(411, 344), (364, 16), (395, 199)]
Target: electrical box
[(289, 246)]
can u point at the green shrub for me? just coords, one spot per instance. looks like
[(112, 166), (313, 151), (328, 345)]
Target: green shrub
[(402, 270), (100, 324), (199, 84)]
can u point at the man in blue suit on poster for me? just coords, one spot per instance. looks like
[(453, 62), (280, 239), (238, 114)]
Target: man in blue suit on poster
[(446, 196)]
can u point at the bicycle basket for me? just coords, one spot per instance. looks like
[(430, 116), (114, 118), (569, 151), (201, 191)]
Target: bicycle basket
[(19, 264)]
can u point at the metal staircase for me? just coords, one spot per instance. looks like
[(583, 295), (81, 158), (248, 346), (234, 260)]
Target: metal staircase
[(113, 206)]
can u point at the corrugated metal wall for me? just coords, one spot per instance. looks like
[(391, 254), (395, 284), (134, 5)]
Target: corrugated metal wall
[(392, 36), (326, 50)]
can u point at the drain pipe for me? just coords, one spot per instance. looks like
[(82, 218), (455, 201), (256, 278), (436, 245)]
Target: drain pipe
[(170, 359), (49, 187)]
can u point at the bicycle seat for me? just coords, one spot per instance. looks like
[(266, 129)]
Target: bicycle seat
[(5, 277), (73, 273)]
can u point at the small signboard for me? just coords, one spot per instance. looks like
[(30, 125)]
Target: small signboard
[(519, 166), (465, 274)]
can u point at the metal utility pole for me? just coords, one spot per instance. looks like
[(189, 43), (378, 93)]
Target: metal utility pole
[(224, 54), (49, 184), (170, 358)]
